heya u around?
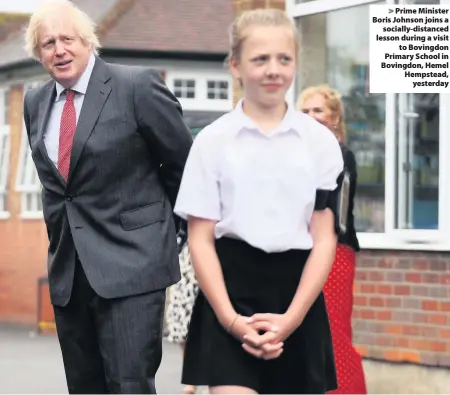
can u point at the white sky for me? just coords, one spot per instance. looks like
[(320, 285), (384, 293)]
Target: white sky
[(18, 5)]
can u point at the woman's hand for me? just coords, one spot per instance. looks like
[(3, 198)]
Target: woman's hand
[(260, 345)]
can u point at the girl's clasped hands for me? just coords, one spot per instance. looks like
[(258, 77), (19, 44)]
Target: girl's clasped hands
[(263, 334)]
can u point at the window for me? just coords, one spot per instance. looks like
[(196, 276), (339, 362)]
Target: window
[(340, 57), (400, 141), (217, 90), (28, 183), (417, 161), (202, 89), (4, 167), (184, 88), (6, 106), (417, 156), (5, 149)]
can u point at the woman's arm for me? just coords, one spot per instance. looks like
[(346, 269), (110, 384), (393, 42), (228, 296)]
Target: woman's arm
[(317, 268)]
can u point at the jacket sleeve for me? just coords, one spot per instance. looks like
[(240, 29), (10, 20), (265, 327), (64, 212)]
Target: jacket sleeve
[(160, 122)]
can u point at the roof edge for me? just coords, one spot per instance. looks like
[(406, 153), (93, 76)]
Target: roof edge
[(20, 64), (132, 53), (113, 15), (157, 54)]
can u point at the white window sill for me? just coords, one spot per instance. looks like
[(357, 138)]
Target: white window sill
[(385, 241), (32, 215), (367, 241), (4, 215)]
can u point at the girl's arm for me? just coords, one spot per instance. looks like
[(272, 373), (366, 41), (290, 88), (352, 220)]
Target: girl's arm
[(318, 265), (210, 279), (208, 270)]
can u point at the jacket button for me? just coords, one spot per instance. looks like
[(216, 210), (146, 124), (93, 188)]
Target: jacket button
[(69, 198)]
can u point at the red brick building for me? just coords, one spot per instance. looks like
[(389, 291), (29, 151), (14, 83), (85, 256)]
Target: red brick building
[(189, 52), (402, 292)]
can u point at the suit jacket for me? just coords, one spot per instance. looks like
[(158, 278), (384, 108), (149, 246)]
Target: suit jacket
[(349, 237), (127, 160)]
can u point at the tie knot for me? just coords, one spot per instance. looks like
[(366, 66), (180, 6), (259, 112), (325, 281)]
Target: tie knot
[(70, 95)]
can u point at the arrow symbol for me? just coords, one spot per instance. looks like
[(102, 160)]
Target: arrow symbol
[(391, 11)]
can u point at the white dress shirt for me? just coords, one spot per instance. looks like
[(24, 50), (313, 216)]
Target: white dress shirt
[(260, 187), (51, 137)]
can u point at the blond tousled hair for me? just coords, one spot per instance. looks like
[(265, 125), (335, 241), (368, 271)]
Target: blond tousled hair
[(332, 101), (258, 17), (83, 24)]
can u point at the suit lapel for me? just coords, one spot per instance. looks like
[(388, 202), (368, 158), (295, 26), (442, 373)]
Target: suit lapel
[(45, 107), (96, 95)]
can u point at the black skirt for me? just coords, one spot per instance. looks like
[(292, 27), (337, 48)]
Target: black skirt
[(259, 282)]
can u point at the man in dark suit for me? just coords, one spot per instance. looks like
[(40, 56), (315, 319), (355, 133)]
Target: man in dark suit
[(109, 144)]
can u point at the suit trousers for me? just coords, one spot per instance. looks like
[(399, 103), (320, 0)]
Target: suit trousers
[(110, 345)]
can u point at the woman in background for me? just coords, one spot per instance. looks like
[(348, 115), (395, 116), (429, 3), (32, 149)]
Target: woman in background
[(181, 300), (324, 105)]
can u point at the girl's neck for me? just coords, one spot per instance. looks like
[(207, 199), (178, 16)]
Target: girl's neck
[(267, 118)]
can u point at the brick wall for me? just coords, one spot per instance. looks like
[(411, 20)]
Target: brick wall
[(23, 242), (402, 299), (402, 306)]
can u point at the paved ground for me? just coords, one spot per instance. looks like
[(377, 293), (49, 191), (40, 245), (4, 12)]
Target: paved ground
[(33, 364)]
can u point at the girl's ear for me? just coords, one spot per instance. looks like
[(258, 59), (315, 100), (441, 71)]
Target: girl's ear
[(234, 67)]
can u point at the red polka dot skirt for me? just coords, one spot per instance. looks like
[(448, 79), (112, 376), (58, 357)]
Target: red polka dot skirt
[(339, 299)]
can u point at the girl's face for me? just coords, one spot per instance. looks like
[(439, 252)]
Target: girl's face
[(266, 65), (316, 107)]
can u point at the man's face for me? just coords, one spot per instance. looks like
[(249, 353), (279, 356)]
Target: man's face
[(62, 52)]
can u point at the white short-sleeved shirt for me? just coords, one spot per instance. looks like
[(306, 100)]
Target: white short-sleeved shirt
[(260, 187)]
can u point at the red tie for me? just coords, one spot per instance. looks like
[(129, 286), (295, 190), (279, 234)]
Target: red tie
[(66, 132)]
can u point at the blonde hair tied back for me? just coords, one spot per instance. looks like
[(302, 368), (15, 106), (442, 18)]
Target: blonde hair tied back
[(258, 17)]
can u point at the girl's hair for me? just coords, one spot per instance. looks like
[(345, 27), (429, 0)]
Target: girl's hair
[(84, 26), (258, 17), (333, 103)]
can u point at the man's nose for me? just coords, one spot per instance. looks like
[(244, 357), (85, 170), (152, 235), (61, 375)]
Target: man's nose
[(60, 48)]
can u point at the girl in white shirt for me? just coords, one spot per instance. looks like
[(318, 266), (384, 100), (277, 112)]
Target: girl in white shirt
[(256, 190)]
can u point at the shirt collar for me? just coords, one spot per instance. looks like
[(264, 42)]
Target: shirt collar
[(81, 85), (244, 122)]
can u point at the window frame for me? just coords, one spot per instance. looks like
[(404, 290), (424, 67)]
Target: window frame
[(391, 238), (30, 192), (201, 78), (217, 90), (5, 133), (184, 89)]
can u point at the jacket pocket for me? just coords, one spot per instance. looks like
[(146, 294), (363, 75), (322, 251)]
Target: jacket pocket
[(142, 216)]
